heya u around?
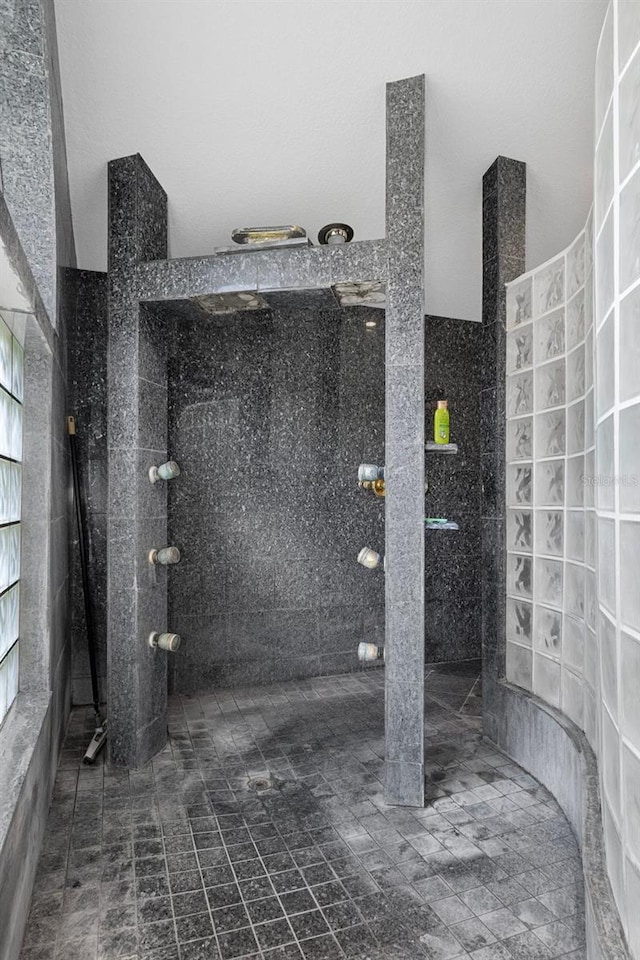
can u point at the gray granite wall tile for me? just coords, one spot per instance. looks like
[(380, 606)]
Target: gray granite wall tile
[(404, 441), (268, 417), (87, 402), (137, 437), (504, 198)]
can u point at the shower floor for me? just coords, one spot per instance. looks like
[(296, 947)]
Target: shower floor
[(261, 832)]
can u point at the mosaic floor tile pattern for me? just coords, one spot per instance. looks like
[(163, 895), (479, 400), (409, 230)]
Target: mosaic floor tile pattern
[(261, 832)]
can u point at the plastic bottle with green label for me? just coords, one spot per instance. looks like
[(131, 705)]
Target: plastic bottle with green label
[(441, 423)]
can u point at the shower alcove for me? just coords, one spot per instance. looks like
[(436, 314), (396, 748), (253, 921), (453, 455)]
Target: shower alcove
[(269, 412)]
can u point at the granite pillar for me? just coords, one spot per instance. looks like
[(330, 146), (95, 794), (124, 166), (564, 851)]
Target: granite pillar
[(503, 256), (137, 438), (404, 444)]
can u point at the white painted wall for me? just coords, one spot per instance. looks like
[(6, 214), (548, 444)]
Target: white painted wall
[(268, 111)]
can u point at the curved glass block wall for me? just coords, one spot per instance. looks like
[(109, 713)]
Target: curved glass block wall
[(550, 517), (573, 467), (11, 395)]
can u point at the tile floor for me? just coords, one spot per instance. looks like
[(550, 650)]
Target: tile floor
[(261, 832)]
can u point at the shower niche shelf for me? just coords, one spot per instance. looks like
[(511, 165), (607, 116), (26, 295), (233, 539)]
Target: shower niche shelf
[(432, 447)]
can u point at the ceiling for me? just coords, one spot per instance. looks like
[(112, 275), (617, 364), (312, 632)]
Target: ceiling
[(256, 112)]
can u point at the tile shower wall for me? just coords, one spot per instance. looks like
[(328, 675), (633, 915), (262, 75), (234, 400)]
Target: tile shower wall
[(550, 518), (270, 414), (453, 612), (573, 467), (87, 401)]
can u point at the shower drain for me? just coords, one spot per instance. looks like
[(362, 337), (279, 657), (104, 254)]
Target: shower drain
[(263, 782)]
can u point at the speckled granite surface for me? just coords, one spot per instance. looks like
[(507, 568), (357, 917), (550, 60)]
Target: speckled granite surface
[(261, 831)]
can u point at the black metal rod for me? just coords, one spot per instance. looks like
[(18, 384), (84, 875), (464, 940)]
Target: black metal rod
[(84, 567)]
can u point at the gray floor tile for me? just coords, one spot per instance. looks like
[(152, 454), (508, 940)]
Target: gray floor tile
[(232, 872)]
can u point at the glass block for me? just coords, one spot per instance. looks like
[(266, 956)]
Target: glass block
[(575, 427), (9, 612), (589, 715), (549, 581), (16, 430), (3, 689), (546, 679), (629, 479), (519, 484), (575, 265), (590, 599), (575, 482), (520, 530), (520, 348), (5, 424), (519, 621), (518, 665), (18, 371), (591, 658), (5, 491), (12, 674), (549, 532), (630, 232), (604, 171), (573, 642), (550, 482), (588, 361), (9, 555), (590, 479), (550, 385), (589, 420), (604, 270), (4, 558), (574, 589), (630, 674), (590, 537), (548, 631), (520, 394), (610, 763), (606, 367), (520, 439), (629, 112), (605, 466), (575, 320), (16, 491), (607, 564), (572, 696), (5, 356), (630, 345), (548, 285), (550, 336), (608, 662), (604, 71), (519, 573), (576, 379), (518, 303), (628, 34), (629, 567), (631, 786), (550, 434), (575, 534)]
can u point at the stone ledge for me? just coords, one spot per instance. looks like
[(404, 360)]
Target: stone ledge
[(18, 740), (553, 749)]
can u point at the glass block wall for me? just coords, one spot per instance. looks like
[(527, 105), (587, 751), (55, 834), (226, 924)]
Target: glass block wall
[(550, 517), (573, 466), (11, 395), (617, 468)]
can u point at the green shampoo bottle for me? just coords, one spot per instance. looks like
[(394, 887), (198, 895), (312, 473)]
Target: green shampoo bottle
[(441, 423)]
